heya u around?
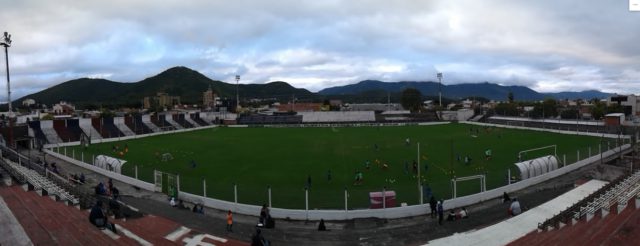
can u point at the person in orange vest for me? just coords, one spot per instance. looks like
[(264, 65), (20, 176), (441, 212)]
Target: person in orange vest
[(229, 221)]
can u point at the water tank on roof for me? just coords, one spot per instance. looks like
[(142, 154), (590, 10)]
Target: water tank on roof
[(537, 166)]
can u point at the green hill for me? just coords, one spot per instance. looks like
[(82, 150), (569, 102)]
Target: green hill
[(177, 81)]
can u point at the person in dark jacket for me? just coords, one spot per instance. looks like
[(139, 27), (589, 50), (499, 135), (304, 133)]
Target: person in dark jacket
[(432, 205)]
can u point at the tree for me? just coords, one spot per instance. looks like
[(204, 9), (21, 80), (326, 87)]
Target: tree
[(597, 110), (569, 114), (411, 99), (510, 97), (547, 109), (507, 109)]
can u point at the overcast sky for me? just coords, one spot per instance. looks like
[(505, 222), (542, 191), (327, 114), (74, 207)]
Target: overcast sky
[(548, 45)]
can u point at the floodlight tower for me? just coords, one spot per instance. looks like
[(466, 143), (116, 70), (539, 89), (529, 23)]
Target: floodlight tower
[(440, 88), (237, 92), (6, 42)]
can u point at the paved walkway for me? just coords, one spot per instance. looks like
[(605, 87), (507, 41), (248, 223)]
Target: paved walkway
[(519, 226)]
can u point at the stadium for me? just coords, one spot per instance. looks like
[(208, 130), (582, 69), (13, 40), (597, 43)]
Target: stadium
[(281, 122)]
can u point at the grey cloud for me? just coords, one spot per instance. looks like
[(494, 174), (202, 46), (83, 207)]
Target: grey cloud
[(548, 45)]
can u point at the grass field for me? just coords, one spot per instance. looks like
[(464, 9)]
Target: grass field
[(284, 158)]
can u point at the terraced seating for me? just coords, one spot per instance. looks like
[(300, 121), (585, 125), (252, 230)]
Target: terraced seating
[(119, 123), (49, 132), (61, 129), (37, 131), (161, 123), (136, 125), (73, 128), (191, 121), (5, 177), (180, 119), (146, 120), (87, 128), (33, 180), (196, 118), (109, 129), (50, 223), (619, 194), (169, 119)]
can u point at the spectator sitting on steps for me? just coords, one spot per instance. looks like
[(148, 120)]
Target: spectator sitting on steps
[(515, 209), (505, 197), (451, 216), (321, 226), (98, 218), (463, 214)]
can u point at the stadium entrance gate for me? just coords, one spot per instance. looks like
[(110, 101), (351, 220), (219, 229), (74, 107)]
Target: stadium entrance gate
[(170, 184)]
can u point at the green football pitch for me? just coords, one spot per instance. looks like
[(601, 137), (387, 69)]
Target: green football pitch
[(285, 159)]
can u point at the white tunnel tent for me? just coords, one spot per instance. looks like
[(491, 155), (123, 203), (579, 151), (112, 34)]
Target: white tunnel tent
[(109, 163), (538, 166)]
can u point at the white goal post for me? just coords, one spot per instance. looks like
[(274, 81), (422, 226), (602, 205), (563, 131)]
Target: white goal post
[(481, 177)]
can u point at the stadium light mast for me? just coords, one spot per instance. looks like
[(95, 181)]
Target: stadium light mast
[(6, 42), (237, 92), (440, 88)]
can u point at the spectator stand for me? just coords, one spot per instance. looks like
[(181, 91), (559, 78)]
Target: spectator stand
[(87, 128), (120, 124), (168, 119), (37, 132), (49, 132)]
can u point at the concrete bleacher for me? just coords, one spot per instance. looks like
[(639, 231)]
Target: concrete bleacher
[(214, 117), (567, 125), (34, 220), (34, 127), (87, 128), (146, 120), (161, 123), (136, 125), (516, 227), (180, 119), (49, 132), (338, 116), (41, 184), (73, 127), (613, 225), (191, 121), (196, 118), (47, 222), (169, 119), (119, 123), (11, 230), (59, 127), (269, 119), (109, 129)]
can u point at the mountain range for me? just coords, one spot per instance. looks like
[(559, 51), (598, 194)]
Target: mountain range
[(189, 85), (457, 91), (176, 81)]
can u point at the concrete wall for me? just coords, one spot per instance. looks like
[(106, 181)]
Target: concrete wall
[(113, 175), (592, 134)]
